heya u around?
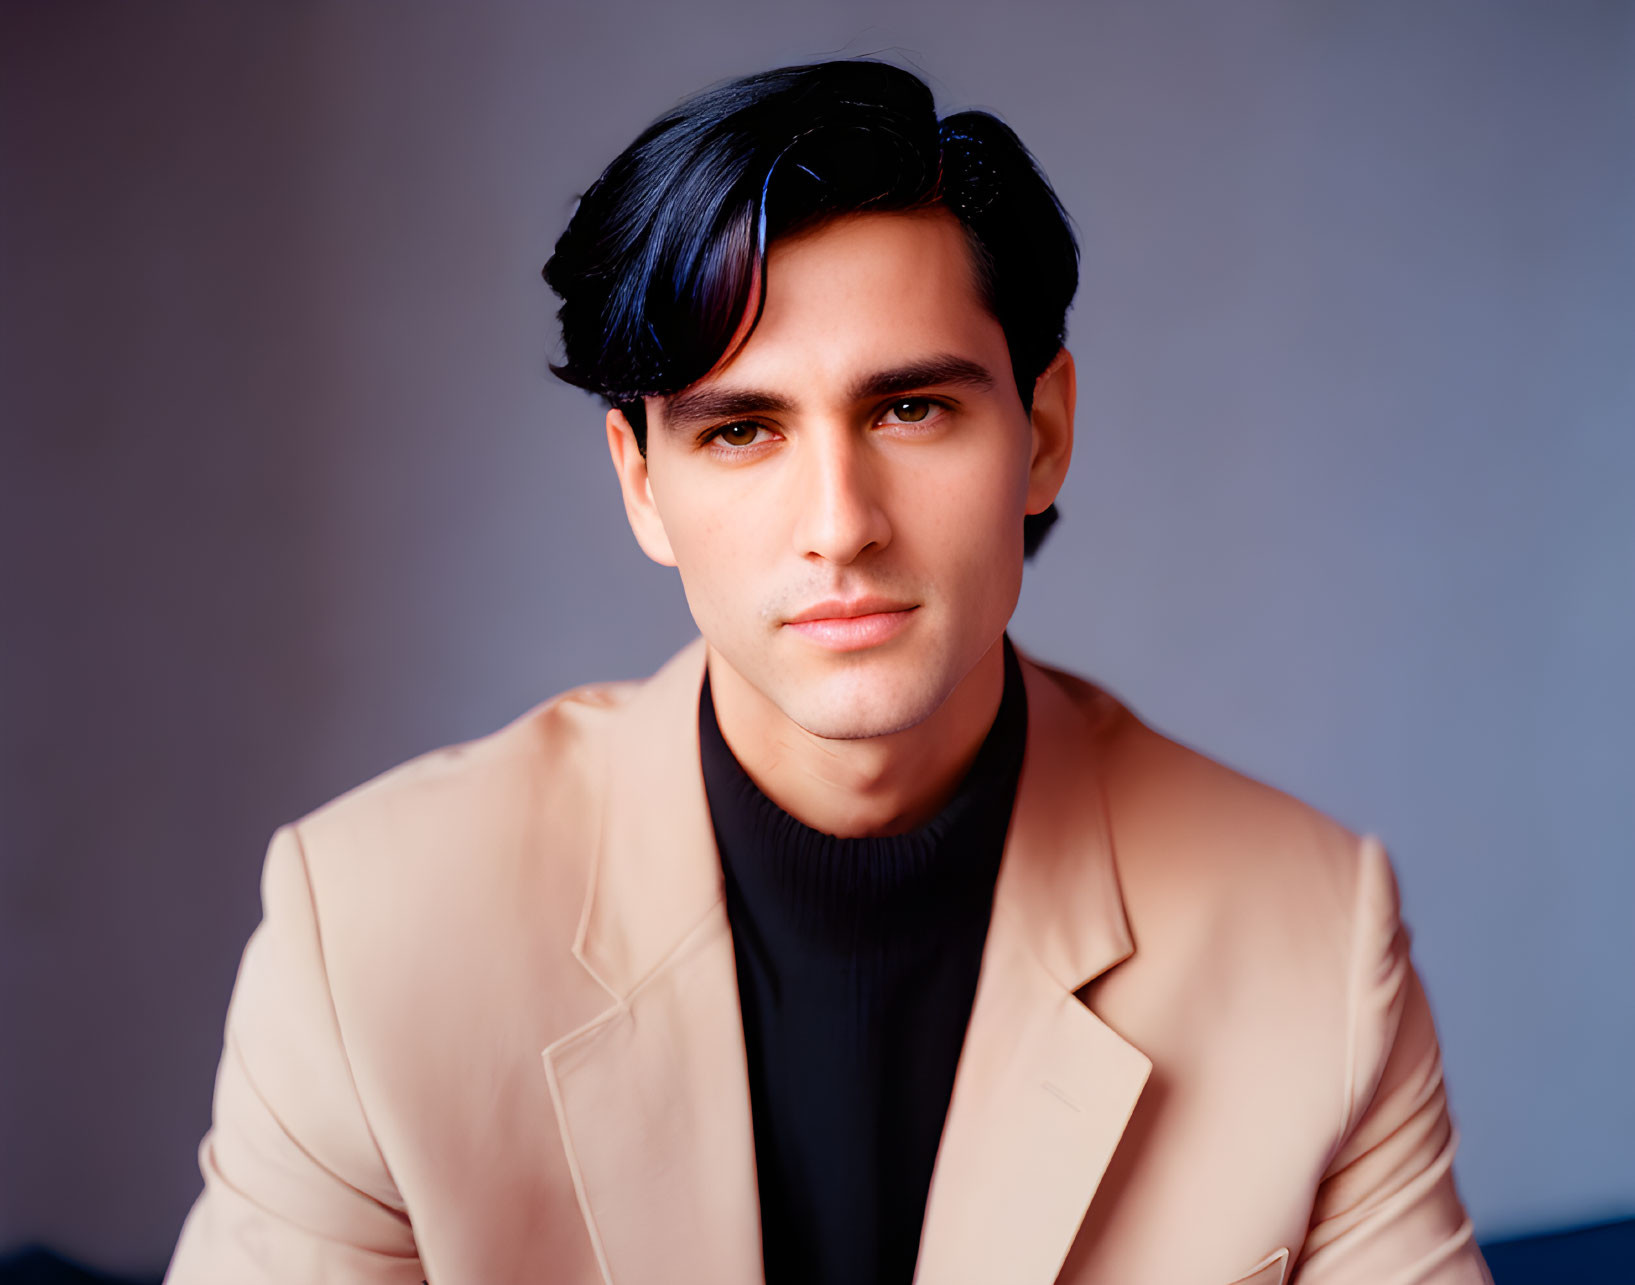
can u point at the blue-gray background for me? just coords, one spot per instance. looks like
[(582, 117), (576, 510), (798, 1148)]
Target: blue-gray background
[(287, 496)]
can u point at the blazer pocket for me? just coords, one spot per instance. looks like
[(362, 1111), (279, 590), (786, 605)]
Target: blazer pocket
[(1270, 1270)]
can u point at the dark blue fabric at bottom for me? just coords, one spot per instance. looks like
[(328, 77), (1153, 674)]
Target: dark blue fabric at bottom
[(1599, 1255)]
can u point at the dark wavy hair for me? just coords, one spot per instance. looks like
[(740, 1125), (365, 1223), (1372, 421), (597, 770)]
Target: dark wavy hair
[(656, 267)]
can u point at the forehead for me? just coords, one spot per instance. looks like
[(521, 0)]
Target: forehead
[(866, 290)]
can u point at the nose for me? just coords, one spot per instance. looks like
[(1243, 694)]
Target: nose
[(837, 501)]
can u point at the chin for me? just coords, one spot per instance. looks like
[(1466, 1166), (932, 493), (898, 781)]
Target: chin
[(857, 709)]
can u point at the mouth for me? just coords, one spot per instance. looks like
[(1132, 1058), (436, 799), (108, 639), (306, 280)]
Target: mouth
[(854, 624), (849, 609)]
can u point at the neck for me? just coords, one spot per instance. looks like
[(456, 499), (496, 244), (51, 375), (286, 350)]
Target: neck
[(878, 785)]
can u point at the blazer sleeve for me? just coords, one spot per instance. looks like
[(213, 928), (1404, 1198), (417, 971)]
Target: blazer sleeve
[(1387, 1211), (295, 1187)]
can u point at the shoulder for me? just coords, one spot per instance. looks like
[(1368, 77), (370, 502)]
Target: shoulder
[(450, 889), (536, 771), (535, 781), (1188, 829), (469, 859)]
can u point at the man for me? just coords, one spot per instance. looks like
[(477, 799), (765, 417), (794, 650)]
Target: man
[(853, 946)]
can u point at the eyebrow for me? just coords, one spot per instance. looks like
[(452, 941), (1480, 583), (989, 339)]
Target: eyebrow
[(703, 405)]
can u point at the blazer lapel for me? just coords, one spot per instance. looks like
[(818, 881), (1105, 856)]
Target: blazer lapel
[(1044, 1088), (652, 1096)]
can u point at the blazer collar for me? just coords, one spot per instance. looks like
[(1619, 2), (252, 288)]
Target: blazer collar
[(657, 873), (1058, 884)]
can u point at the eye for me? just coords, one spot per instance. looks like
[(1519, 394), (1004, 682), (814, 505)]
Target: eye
[(911, 410), (733, 435)]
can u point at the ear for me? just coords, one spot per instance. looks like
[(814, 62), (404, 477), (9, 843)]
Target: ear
[(1054, 394), (631, 466)]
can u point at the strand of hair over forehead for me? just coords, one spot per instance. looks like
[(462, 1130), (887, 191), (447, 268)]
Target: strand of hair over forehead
[(763, 202), (718, 271), (877, 133)]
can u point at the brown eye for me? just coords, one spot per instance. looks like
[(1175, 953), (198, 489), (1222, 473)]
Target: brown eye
[(738, 434), (911, 410)]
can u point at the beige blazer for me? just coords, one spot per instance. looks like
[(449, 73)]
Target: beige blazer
[(488, 1030)]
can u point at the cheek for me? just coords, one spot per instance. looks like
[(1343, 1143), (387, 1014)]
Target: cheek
[(977, 537), (716, 542), (972, 505)]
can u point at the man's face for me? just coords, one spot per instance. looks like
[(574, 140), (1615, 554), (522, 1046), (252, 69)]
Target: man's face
[(844, 497)]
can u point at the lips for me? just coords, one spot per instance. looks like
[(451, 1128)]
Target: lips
[(853, 624), (849, 609)]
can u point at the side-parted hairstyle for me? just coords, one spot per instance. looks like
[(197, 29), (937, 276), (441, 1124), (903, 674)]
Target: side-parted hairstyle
[(657, 265)]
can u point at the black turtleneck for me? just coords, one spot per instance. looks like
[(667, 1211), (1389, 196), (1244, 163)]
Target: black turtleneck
[(857, 965)]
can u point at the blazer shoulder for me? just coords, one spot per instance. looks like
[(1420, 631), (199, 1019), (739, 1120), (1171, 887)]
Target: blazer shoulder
[(537, 770), (452, 886), (1195, 838), (491, 841), (1200, 817)]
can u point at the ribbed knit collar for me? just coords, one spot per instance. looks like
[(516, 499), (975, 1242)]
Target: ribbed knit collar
[(840, 893)]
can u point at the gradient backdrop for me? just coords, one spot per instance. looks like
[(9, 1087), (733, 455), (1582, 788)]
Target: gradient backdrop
[(287, 496)]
